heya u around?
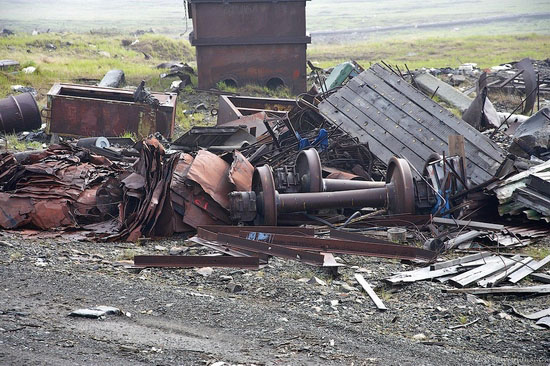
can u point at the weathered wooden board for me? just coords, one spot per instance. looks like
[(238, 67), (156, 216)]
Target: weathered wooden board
[(395, 119)]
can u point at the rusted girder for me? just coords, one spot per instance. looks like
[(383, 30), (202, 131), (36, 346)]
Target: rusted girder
[(181, 261), (235, 241), (366, 247)]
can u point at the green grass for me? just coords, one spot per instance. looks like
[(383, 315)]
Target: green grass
[(11, 142), (486, 51), (78, 56)]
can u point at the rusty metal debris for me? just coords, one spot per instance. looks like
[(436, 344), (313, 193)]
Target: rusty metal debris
[(80, 110), (236, 53), (19, 113), (178, 261)]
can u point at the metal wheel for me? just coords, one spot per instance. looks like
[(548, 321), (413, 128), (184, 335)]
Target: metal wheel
[(263, 185), (310, 174), (399, 177)]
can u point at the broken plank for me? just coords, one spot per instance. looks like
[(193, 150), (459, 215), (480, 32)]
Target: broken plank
[(379, 304), (453, 262), (467, 223), (485, 270), (528, 269), (423, 274), (541, 277), (541, 289), (501, 276)]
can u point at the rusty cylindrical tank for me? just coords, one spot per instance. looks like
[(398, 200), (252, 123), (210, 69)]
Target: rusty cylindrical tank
[(19, 113)]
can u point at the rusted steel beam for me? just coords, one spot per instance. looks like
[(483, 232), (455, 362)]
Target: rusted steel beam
[(235, 230), (272, 249), (363, 248), (261, 247), (181, 261)]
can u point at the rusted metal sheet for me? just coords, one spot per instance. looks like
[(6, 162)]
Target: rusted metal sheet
[(179, 261), (146, 208), (233, 108), (19, 113), (237, 43), (54, 188), (241, 172), (211, 173), (80, 110), (530, 79)]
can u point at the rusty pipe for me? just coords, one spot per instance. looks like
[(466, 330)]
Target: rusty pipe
[(333, 185), (309, 171), (19, 113), (295, 202)]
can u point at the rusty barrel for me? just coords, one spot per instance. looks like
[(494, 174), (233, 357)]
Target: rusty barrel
[(19, 113)]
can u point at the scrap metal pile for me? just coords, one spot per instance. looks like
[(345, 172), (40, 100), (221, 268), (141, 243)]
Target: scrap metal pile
[(371, 153)]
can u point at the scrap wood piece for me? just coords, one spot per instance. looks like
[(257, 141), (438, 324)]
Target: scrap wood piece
[(423, 274), (485, 270), (501, 275), (182, 261), (541, 277), (464, 325), (528, 269), (504, 290), (453, 262), (396, 119), (379, 304), (468, 223)]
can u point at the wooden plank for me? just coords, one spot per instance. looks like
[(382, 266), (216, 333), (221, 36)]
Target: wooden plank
[(501, 276), (433, 123), (438, 130), (395, 120), (470, 224), (528, 269), (453, 262), (480, 272), (379, 304), (422, 274), (541, 277), (461, 127), (541, 289)]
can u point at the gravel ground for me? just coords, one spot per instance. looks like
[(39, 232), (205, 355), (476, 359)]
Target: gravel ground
[(184, 317)]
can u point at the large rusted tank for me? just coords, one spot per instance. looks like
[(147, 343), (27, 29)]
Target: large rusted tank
[(259, 41)]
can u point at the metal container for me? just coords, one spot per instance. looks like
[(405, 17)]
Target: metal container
[(250, 41), (19, 113), (81, 110)]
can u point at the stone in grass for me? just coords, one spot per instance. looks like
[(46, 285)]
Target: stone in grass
[(96, 312)]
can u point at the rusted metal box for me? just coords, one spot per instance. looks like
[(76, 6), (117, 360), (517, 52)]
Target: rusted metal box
[(81, 110), (250, 41)]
